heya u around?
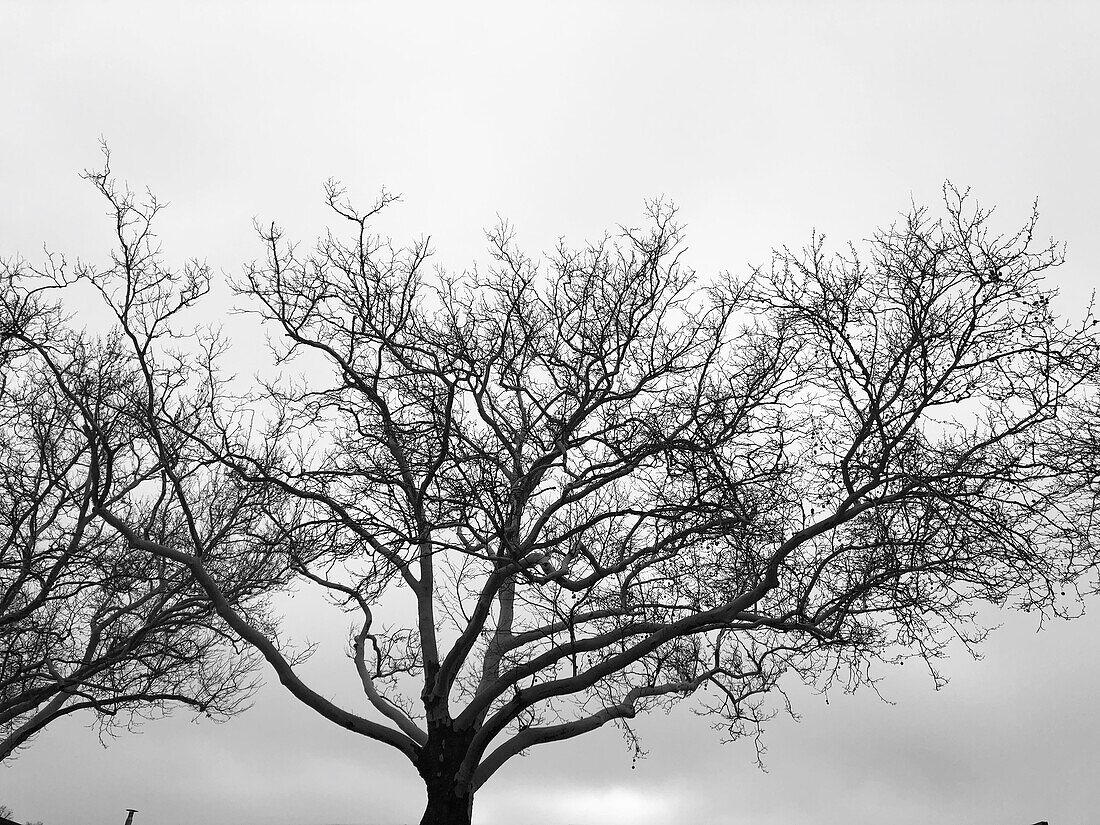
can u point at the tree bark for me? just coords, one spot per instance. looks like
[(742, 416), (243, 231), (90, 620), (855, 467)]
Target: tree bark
[(450, 801)]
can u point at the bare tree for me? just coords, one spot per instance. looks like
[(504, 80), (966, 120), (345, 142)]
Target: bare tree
[(87, 622), (599, 487)]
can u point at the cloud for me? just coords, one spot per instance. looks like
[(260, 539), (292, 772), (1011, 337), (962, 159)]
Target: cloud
[(559, 803)]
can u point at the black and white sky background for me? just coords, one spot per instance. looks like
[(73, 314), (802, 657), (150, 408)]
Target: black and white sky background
[(762, 121)]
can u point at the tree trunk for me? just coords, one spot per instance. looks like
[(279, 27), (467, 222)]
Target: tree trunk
[(448, 806), (450, 801)]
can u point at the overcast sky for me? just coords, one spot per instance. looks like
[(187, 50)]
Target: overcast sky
[(762, 121)]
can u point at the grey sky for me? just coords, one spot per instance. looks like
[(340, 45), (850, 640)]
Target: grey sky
[(762, 121)]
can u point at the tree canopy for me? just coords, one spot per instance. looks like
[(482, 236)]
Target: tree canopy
[(556, 493), (87, 621)]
